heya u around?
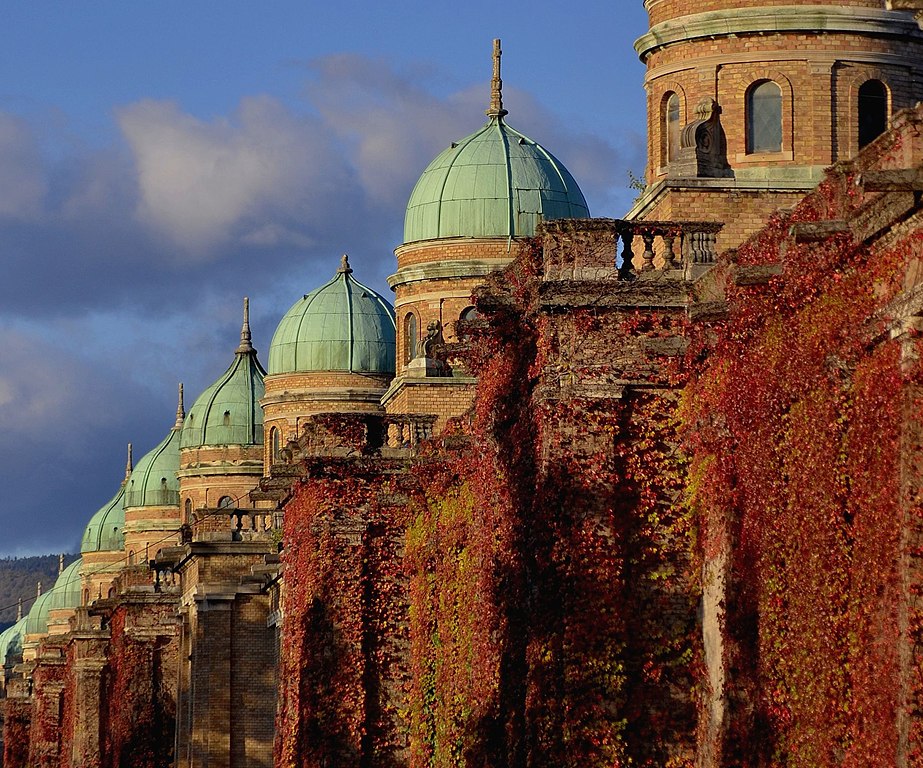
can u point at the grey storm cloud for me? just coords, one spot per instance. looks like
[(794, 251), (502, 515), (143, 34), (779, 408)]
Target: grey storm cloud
[(123, 265)]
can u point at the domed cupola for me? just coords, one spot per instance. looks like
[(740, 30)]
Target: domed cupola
[(341, 326), (152, 516), (494, 183), (229, 412), (153, 481), (333, 352), (66, 592), (11, 642)]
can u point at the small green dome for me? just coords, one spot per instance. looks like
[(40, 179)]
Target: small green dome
[(66, 590), (153, 482), (494, 183), (36, 621), (11, 640), (341, 326), (105, 531), (229, 412)]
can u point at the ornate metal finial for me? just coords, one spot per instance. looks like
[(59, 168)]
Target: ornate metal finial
[(60, 564), (129, 464), (245, 344), (180, 411), (19, 610), (344, 266), (496, 86)]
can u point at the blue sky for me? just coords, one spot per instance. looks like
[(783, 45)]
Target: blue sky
[(159, 161)]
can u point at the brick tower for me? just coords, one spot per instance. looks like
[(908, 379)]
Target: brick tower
[(467, 217), (749, 100)]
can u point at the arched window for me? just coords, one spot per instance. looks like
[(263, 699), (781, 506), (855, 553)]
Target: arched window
[(227, 419), (468, 313), (274, 445), (764, 117), (225, 502), (131, 557), (411, 336), (670, 127), (188, 508), (873, 111)]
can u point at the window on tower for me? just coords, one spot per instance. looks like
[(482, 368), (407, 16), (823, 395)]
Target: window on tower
[(873, 111), (764, 117), (411, 336), (274, 445), (670, 127)]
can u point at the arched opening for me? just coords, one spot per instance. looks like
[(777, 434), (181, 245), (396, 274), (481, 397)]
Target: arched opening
[(131, 557), (225, 502), (764, 117), (872, 111), (468, 313), (188, 508), (274, 445), (411, 336), (227, 418), (670, 127)]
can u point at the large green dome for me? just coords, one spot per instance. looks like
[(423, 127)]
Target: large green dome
[(229, 412), (341, 326), (153, 482), (494, 183), (105, 531)]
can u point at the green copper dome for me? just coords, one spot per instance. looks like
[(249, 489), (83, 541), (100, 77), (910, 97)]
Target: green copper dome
[(36, 621), (105, 531), (229, 412), (66, 590), (494, 183), (11, 641), (153, 481), (341, 326)]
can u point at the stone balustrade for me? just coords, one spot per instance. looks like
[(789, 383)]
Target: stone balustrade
[(616, 249)]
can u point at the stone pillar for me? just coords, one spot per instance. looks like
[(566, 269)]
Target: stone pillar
[(210, 694), (85, 749)]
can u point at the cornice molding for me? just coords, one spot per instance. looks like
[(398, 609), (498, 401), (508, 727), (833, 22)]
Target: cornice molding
[(818, 19)]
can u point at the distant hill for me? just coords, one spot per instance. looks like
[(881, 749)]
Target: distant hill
[(18, 577)]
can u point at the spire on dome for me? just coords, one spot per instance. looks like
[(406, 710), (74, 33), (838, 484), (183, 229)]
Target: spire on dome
[(344, 266), (38, 590), (128, 464), (60, 564), (180, 411), (496, 86), (19, 610), (246, 346)]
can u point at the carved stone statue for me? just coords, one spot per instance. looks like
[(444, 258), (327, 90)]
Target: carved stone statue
[(703, 146), (427, 346)]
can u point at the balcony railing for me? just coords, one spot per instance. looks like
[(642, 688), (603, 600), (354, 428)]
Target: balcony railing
[(616, 249)]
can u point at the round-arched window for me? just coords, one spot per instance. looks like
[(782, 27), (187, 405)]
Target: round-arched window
[(225, 502), (411, 336), (872, 111), (670, 127), (764, 117)]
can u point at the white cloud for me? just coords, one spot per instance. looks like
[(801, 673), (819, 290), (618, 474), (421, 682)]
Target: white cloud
[(209, 183)]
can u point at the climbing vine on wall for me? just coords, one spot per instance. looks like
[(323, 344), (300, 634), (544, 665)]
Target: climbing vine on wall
[(796, 428)]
